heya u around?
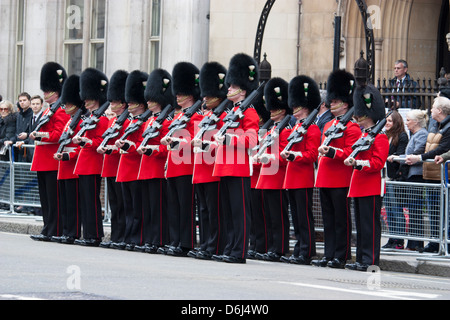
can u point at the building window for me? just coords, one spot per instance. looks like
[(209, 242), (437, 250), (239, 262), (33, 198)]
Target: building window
[(73, 40), (84, 44), (155, 35), (97, 45), (20, 38)]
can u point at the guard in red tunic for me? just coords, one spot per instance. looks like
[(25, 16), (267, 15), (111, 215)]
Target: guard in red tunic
[(333, 176), (158, 95), (367, 186), (304, 97), (130, 160), (273, 170), (46, 139), (119, 106), (260, 238), (233, 161), (180, 163), (93, 90), (67, 158), (214, 92)]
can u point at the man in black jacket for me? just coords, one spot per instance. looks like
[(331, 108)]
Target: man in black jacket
[(23, 121), (402, 82)]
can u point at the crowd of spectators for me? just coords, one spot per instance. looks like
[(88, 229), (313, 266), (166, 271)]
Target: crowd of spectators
[(17, 121)]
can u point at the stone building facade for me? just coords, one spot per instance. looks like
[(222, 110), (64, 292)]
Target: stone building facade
[(145, 34)]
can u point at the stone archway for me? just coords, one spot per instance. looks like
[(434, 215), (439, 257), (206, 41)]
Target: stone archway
[(405, 29)]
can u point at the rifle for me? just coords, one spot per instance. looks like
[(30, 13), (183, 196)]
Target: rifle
[(133, 127), (91, 122), (66, 137), (269, 140), (154, 130), (182, 122), (45, 119), (298, 135), (262, 131), (231, 120), (114, 131), (365, 143), (209, 123), (337, 131)]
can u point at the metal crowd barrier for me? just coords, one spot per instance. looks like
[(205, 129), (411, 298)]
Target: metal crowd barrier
[(410, 211), (418, 212), (19, 186)]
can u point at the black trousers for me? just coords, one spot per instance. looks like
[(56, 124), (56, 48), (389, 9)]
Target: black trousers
[(70, 207), (90, 206), (134, 225), (181, 213), (276, 205), (260, 231), (49, 197), (154, 198), (337, 223), (368, 229), (117, 206), (303, 220), (235, 192), (210, 214)]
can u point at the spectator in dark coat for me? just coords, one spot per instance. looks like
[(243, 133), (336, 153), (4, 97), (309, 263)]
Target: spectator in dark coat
[(398, 140), (23, 121), (7, 127)]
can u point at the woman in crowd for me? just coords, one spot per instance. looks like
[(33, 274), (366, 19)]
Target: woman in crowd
[(398, 140), (7, 127), (416, 122)]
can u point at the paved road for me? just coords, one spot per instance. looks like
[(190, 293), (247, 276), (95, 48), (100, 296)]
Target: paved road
[(50, 271)]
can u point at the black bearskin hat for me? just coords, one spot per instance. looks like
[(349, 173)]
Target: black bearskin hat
[(93, 85), (212, 80), (243, 72), (116, 88), (53, 76), (340, 86), (304, 92), (135, 87), (71, 91), (369, 102), (158, 88), (185, 78), (276, 94)]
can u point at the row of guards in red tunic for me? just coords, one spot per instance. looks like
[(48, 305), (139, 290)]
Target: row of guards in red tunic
[(206, 167)]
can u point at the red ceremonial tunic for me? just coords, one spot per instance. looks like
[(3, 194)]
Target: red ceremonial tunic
[(255, 176), (273, 173), (204, 161), (333, 173), (368, 181), (111, 161), (90, 162), (180, 162), (66, 168), (152, 167), (130, 160), (300, 172), (233, 160), (46, 148)]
